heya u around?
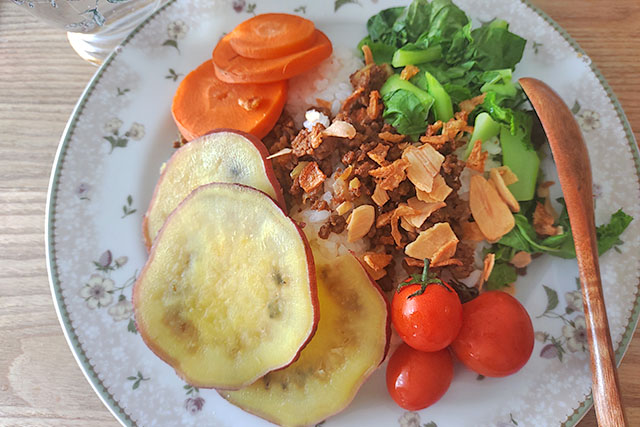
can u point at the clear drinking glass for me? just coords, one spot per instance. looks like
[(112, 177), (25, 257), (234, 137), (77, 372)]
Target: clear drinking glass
[(94, 27)]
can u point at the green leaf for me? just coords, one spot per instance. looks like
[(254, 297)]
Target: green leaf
[(576, 107), (430, 424), (501, 275), (413, 21), (129, 199), (131, 327), (514, 422), (380, 26), (552, 298), (172, 43), (496, 47), (120, 142), (131, 378), (136, 384), (609, 234), (404, 111), (381, 52), (559, 347), (536, 47), (406, 106), (339, 3)]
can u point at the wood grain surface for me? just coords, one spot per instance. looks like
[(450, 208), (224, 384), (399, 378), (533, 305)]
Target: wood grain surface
[(40, 80)]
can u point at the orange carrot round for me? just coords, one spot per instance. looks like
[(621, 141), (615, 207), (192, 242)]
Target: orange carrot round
[(272, 35), (233, 68), (203, 103)]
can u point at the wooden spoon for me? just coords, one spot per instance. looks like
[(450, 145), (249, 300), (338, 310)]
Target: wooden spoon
[(574, 171)]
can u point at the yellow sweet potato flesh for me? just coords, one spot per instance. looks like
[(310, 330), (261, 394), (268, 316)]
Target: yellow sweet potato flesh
[(227, 293), (218, 157), (348, 346)]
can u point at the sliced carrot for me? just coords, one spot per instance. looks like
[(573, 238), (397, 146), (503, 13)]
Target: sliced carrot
[(272, 35), (233, 68), (203, 103)]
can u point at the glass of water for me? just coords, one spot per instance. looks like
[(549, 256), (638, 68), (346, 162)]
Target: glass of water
[(94, 27)]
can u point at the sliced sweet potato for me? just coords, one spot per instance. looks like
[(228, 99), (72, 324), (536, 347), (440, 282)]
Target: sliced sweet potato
[(228, 292), (221, 156), (350, 343)]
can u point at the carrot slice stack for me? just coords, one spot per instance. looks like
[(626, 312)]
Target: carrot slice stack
[(272, 35), (244, 85), (203, 103), (230, 67)]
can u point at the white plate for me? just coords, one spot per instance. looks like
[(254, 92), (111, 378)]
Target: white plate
[(98, 194)]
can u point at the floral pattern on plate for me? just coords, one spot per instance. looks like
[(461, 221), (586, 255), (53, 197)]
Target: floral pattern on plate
[(120, 134)]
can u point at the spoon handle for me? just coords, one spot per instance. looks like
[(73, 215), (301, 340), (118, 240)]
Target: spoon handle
[(574, 172), (606, 389)]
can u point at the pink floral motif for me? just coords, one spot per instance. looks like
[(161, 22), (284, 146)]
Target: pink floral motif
[(238, 5), (194, 405)]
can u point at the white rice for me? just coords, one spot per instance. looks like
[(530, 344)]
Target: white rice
[(329, 82)]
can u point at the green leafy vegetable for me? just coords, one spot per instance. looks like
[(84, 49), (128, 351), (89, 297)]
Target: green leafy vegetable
[(496, 47), (406, 106), (457, 63), (524, 238), (499, 82), (380, 26), (437, 37), (382, 53), (517, 121), (609, 234), (501, 275)]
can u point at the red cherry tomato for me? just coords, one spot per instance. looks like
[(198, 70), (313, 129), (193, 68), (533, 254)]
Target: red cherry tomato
[(496, 338), (416, 379), (429, 321)]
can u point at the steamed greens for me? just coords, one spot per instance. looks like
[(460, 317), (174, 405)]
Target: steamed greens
[(437, 38), (456, 63), (523, 238)]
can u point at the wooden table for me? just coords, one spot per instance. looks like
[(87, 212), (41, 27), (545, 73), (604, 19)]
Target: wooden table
[(40, 80)]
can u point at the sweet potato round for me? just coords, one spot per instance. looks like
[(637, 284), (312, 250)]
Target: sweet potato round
[(229, 290)]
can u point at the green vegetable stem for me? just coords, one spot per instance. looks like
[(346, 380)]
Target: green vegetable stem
[(442, 105), (484, 128), (520, 156), (409, 55)]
